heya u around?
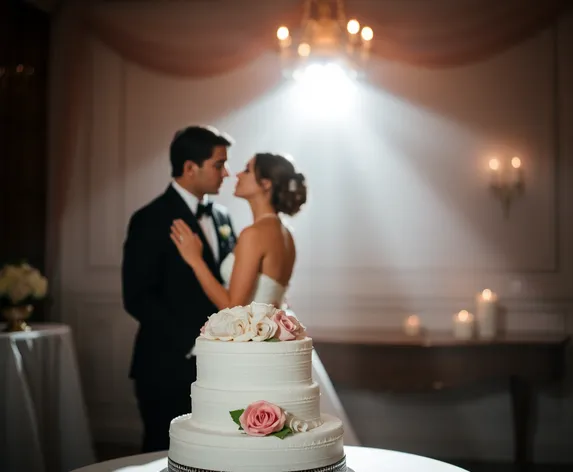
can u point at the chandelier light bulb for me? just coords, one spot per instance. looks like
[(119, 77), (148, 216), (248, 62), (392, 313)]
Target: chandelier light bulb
[(353, 27), (283, 33), (494, 164), (322, 34), (367, 33), (516, 163)]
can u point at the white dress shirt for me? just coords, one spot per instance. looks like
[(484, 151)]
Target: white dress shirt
[(206, 222)]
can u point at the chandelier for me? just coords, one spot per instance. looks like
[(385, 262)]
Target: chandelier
[(325, 37)]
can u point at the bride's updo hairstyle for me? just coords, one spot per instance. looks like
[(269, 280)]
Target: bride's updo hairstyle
[(288, 187)]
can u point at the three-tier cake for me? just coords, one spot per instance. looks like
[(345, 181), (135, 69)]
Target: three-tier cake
[(255, 407)]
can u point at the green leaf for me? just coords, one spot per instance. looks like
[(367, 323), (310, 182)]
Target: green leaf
[(272, 340), (283, 433), (236, 414)]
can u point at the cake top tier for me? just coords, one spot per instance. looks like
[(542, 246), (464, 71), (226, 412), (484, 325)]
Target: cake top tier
[(252, 366), (257, 322)]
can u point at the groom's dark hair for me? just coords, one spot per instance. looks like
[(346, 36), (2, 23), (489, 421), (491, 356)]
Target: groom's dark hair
[(194, 143)]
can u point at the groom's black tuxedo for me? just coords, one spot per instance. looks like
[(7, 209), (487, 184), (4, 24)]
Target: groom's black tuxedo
[(162, 293)]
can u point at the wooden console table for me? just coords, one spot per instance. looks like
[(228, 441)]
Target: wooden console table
[(378, 360)]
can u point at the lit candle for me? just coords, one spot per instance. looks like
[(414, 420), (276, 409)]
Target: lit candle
[(486, 314), (516, 173), (283, 35), (366, 34), (353, 27), (495, 168), (412, 325), (463, 325)]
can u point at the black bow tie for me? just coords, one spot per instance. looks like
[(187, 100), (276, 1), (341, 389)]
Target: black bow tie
[(204, 210)]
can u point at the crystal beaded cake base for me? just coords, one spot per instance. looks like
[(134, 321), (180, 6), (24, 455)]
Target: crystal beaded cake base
[(348, 469), (340, 466)]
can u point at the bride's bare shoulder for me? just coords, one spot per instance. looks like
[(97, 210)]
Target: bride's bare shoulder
[(249, 234)]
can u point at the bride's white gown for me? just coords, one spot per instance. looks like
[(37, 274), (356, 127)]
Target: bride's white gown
[(269, 291)]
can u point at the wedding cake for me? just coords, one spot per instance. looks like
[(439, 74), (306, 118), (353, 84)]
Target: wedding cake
[(255, 407)]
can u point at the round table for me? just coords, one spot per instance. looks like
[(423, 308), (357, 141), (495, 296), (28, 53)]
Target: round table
[(359, 459), (41, 399)]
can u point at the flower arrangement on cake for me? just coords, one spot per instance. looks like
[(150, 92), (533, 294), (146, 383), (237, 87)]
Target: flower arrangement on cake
[(256, 322), (266, 419)]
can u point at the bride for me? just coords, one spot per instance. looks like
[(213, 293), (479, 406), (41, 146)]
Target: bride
[(262, 264)]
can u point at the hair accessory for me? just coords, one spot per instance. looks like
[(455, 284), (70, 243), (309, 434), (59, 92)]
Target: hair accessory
[(292, 185)]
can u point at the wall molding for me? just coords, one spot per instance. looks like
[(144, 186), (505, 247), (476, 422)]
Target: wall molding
[(105, 222)]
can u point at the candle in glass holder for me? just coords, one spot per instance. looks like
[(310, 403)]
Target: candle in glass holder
[(486, 314), (463, 325), (412, 325)]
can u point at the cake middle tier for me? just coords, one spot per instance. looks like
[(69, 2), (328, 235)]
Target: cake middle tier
[(211, 407), (253, 365)]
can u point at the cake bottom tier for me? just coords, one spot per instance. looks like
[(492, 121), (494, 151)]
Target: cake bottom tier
[(192, 449)]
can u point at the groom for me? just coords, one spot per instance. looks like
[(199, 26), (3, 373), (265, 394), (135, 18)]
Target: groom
[(160, 290)]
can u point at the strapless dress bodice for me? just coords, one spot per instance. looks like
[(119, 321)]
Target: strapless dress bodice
[(267, 290)]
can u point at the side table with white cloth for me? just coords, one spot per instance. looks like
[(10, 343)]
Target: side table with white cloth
[(358, 459), (43, 421)]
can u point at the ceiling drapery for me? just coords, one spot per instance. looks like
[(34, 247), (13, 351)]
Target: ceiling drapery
[(198, 38)]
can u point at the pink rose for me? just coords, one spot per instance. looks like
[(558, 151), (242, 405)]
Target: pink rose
[(262, 418), (289, 327), (204, 327)]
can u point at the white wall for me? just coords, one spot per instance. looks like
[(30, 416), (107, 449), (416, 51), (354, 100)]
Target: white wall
[(399, 219)]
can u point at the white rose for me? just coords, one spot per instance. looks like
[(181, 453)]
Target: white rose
[(38, 283), (220, 326), (296, 425), (19, 291), (263, 329), (40, 287), (242, 331), (261, 310), (240, 311), (229, 325)]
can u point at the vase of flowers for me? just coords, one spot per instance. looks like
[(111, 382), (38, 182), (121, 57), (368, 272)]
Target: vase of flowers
[(21, 286)]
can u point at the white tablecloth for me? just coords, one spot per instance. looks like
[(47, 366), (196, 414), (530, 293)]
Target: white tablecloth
[(43, 422), (359, 459)]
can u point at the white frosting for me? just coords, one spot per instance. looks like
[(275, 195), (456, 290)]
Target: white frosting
[(237, 452), (230, 376), (211, 407), (239, 366)]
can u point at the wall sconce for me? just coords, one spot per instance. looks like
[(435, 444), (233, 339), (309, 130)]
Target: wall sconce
[(506, 185)]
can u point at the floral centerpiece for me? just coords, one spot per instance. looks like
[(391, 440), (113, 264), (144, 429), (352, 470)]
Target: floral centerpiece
[(256, 322), (21, 285)]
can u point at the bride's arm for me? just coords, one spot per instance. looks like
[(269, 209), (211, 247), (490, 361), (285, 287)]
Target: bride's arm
[(248, 257), (243, 279)]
